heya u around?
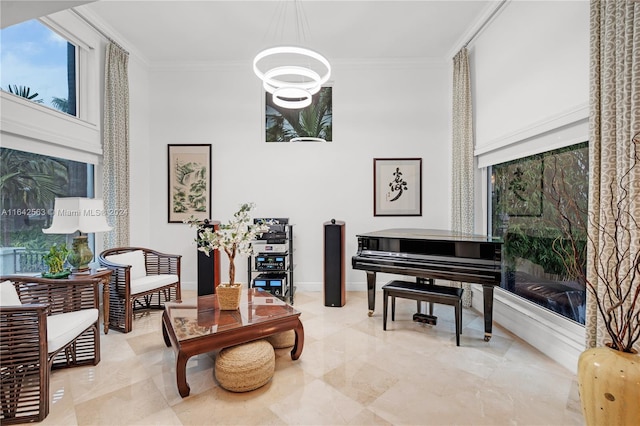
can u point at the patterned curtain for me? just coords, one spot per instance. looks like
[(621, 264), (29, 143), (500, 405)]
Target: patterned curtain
[(614, 148), (116, 146), (462, 179)]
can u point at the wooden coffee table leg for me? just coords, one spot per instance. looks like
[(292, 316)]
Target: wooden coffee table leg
[(299, 344), (165, 334), (181, 374)]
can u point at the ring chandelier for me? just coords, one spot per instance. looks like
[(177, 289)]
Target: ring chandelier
[(292, 86)]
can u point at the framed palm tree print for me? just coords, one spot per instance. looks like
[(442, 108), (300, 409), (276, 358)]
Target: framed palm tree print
[(310, 124), (189, 171)]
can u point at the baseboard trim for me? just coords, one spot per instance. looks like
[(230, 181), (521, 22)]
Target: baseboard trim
[(559, 338)]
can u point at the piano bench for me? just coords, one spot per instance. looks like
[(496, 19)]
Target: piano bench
[(423, 293)]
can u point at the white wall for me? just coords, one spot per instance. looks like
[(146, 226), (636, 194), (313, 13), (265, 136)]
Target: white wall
[(531, 65), (142, 192), (530, 77), (380, 110)]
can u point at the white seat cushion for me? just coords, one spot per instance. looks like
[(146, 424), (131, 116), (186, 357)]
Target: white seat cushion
[(63, 328), (151, 282), (8, 294), (133, 258)]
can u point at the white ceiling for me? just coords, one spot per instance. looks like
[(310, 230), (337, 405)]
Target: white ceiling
[(16, 11), (233, 31)]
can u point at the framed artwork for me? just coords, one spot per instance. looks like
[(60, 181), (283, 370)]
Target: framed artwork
[(189, 172), (310, 124), (524, 187), (397, 186)]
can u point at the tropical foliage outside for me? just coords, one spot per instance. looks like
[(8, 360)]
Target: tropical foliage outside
[(43, 63), (24, 92), (314, 121), (29, 184), (60, 104), (539, 208)]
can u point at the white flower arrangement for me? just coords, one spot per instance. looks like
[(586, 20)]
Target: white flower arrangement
[(233, 238)]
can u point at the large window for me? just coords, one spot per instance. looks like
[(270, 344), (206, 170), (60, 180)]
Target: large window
[(29, 185), (39, 65), (539, 207)]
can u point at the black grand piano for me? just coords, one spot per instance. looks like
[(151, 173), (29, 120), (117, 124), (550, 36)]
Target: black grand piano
[(432, 254)]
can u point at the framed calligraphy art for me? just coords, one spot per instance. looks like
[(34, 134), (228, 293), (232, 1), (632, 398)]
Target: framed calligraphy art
[(189, 171), (397, 186)]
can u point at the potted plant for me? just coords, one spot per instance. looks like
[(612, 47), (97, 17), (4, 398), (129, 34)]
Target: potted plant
[(609, 376), (54, 259), (234, 238)]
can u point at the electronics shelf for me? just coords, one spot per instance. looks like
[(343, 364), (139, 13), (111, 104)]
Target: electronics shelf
[(271, 266)]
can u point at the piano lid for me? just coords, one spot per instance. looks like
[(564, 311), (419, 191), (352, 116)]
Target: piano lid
[(428, 234)]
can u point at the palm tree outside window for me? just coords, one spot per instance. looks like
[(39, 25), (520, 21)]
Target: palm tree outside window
[(39, 65), (29, 184)]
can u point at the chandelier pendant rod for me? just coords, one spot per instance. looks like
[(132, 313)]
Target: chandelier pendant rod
[(292, 86)]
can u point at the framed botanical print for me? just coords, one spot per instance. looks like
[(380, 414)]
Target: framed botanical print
[(189, 187), (397, 186)]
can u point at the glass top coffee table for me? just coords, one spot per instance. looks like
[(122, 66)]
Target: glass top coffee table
[(198, 326)]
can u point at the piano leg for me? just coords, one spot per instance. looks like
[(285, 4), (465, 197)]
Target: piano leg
[(487, 295), (371, 291)]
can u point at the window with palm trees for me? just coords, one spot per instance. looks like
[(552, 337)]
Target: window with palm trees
[(39, 65), (29, 184)]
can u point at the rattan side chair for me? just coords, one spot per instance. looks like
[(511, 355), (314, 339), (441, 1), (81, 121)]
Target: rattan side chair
[(141, 279), (44, 324)]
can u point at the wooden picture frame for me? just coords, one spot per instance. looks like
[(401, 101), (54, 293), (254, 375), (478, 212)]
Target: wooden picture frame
[(397, 186), (189, 182)]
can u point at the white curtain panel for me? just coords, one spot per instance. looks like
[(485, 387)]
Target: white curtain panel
[(116, 146), (462, 179), (614, 174)]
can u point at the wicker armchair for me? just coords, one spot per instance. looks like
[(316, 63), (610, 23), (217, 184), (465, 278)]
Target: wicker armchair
[(44, 324), (141, 278)]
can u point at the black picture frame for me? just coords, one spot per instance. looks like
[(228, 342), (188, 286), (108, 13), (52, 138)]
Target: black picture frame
[(397, 186), (189, 182)]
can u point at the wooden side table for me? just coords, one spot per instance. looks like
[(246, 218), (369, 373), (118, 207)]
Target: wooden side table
[(103, 277)]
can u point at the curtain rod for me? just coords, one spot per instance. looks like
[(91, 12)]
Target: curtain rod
[(102, 33), (484, 24)]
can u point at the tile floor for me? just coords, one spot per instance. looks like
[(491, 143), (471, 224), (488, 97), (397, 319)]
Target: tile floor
[(351, 372)]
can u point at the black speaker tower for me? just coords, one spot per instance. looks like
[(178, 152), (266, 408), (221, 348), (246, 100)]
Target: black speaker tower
[(208, 266), (334, 263)]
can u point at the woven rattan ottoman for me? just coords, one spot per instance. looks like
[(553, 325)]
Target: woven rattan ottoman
[(245, 367), (285, 339), (198, 326)]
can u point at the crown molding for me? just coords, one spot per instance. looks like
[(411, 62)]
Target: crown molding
[(108, 30)]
